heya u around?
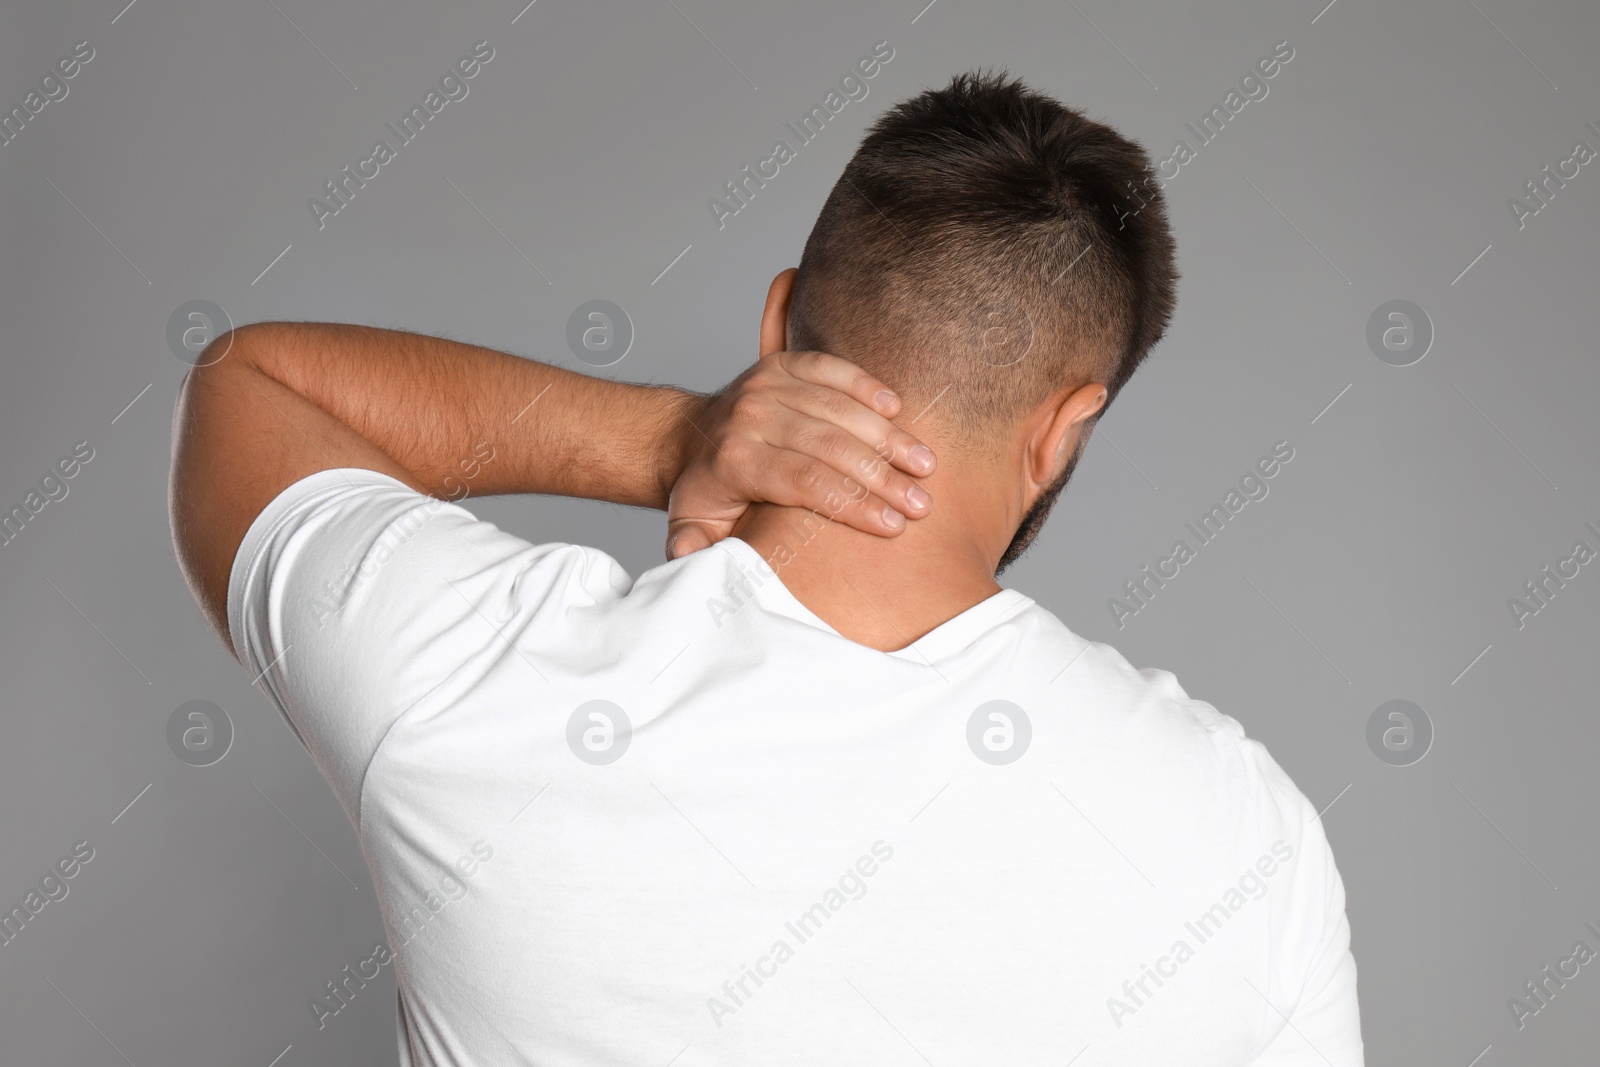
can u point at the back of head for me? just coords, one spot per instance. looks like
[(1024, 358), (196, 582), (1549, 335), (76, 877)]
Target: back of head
[(988, 246)]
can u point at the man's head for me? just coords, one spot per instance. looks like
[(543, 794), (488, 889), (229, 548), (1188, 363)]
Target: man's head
[(992, 253)]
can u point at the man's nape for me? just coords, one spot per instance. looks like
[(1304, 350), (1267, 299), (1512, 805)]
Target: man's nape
[(877, 591)]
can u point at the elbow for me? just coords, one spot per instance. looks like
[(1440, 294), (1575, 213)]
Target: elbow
[(212, 377), (239, 349), (236, 345)]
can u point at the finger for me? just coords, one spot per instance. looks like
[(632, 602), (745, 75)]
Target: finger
[(687, 536), (799, 480), (699, 515), (895, 445), (824, 386), (851, 457), (833, 372)]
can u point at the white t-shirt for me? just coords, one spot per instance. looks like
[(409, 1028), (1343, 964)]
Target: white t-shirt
[(680, 820)]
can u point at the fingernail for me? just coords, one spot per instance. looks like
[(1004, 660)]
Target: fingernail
[(885, 398), (922, 457), (893, 519), (917, 497), (673, 540)]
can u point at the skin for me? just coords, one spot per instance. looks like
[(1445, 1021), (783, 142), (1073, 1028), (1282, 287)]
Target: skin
[(877, 592), (272, 403)]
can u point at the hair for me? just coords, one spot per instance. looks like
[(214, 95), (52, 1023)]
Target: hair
[(986, 247)]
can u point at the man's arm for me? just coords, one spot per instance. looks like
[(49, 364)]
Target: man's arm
[(272, 403)]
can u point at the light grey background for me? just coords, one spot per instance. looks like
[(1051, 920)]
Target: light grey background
[(1379, 567)]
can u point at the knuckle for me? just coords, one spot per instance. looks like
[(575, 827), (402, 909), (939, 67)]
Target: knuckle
[(747, 408), (736, 453), (812, 366), (833, 446), (811, 478), (836, 404)]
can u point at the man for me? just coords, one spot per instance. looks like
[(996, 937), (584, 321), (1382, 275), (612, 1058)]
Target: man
[(818, 790)]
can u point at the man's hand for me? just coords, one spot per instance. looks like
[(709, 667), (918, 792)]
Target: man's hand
[(802, 429)]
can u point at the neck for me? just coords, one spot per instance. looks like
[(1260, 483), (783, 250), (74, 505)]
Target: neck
[(886, 592)]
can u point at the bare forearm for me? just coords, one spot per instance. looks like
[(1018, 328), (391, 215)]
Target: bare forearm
[(439, 407), (272, 404)]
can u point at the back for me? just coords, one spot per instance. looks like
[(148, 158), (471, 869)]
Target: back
[(679, 819)]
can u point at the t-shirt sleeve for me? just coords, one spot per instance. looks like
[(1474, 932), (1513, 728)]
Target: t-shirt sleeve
[(1311, 1017), (353, 598)]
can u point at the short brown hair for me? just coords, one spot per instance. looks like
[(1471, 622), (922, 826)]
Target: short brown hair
[(988, 212)]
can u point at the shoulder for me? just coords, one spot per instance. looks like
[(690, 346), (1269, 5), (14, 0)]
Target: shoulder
[(1143, 717)]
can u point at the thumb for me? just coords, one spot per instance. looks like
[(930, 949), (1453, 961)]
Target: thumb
[(688, 535)]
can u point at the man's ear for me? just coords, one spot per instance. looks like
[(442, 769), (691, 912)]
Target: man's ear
[(1062, 421), (775, 318)]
